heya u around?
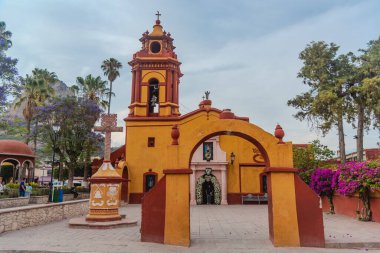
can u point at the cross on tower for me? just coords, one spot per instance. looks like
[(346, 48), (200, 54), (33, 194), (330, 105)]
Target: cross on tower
[(108, 125), (158, 15)]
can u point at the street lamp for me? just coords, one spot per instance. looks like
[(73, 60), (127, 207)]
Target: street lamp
[(54, 138)]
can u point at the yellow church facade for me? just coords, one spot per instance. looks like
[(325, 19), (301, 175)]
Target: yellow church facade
[(154, 110), (208, 156)]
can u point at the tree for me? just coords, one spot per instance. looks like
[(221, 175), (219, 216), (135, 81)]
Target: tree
[(5, 37), (76, 118), (9, 80), (306, 160), (92, 88), (111, 70), (365, 91), (33, 93), (48, 79), (327, 75)]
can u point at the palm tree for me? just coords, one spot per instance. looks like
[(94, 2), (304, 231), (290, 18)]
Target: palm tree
[(34, 94), (111, 68), (48, 79), (92, 88), (5, 37)]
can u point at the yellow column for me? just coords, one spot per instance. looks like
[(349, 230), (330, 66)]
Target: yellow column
[(284, 209), (177, 210)]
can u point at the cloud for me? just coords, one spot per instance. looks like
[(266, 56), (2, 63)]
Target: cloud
[(245, 53)]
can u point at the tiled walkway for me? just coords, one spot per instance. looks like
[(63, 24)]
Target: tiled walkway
[(219, 229)]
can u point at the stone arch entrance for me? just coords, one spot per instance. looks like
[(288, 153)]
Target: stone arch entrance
[(293, 208)]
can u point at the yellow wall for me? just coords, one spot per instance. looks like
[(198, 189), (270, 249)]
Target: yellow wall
[(250, 179), (243, 151), (149, 74), (193, 129)]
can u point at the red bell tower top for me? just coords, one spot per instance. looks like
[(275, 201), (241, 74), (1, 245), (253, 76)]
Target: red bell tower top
[(155, 75)]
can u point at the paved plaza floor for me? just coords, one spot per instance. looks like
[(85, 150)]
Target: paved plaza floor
[(220, 229)]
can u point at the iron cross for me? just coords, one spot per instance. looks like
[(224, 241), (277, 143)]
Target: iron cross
[(158, 15)]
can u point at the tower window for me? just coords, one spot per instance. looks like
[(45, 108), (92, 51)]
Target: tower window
[(155, 47)]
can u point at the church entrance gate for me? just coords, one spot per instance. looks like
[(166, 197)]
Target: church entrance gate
[(295, 218)]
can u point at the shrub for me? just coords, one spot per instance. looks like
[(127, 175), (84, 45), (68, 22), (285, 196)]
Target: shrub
[(12, 185), (34, 185), (40, 191), (321, 182), (361, 177)]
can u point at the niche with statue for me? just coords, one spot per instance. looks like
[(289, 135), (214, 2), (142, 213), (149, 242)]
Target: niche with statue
[(208, 189)]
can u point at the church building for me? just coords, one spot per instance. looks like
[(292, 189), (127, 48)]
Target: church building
[(225, 168)]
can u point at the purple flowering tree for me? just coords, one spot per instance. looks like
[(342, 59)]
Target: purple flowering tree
[(321, 182), (361, 177), (76, 117)]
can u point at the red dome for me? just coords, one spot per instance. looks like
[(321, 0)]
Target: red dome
[(12, 147)]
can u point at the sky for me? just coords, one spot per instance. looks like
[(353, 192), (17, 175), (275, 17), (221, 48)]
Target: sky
[(245, 52)]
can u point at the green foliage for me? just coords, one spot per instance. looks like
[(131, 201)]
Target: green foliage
[(12, 185), (111, 68), (40, 191), (33, 184), (11, 192), (306, 160), (82, 189)]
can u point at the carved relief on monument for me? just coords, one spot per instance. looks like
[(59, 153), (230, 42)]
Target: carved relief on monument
[(112, 193), (97, 190)]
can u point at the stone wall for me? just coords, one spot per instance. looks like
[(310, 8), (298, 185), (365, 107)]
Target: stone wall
[(39, 199), (27, 216), (81, 195), (13, 202)]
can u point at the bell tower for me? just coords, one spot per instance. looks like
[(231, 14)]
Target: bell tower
[(155, 76)]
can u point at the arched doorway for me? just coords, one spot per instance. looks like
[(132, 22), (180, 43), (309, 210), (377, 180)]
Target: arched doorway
[(9, 170), (292, 206), (124, 185)]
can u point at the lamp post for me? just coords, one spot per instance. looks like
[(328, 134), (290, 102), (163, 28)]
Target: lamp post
[(54, 138), (232, 156)]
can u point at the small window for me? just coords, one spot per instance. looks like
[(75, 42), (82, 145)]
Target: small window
[(151, 142), (155, 47)]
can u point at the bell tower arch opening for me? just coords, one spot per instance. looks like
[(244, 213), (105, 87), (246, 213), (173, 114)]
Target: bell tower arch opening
[(153, 97)]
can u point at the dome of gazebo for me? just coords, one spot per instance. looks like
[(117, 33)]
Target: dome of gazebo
[(13, 147)]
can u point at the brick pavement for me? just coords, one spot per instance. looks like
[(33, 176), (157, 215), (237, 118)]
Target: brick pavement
[(218, 229)]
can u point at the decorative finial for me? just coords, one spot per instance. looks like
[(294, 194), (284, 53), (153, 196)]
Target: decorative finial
[(203, 97), (207, 93), (158, 15)]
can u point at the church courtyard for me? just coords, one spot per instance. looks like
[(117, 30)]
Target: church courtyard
[(233, 228)]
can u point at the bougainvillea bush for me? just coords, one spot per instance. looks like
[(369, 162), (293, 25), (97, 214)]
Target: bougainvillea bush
[(321, 182), (361, 177)]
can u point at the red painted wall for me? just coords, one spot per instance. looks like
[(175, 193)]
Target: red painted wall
[(309, 215), (347, 205), (153, 213)]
